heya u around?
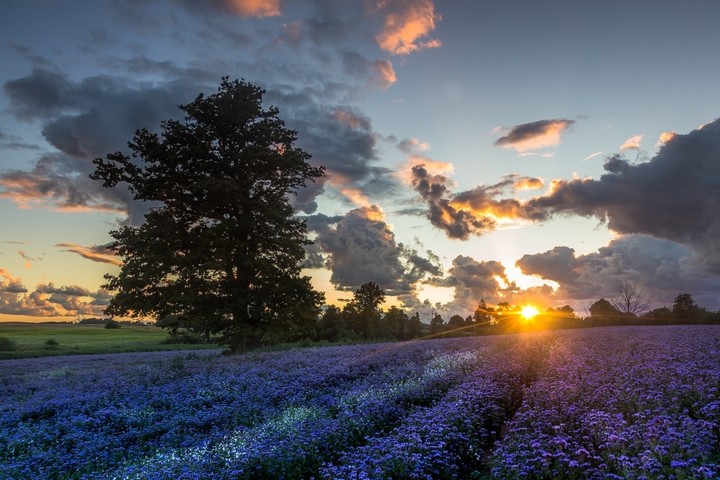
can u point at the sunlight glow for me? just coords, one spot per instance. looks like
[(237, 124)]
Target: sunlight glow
[(528, 312), (435, 295)]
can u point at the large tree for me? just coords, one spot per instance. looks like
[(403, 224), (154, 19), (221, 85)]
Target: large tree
[(221, 241)]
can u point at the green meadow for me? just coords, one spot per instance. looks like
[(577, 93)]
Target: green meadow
[(43, 339)]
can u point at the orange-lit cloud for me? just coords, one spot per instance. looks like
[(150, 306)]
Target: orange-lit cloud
[(6, 274), (354, 194), (28, 260), (413, 146), (433, 168), (349, 118), (386, 74), (406, 26), (472, 212), (665, 137), (48, 300), (30, 190), (253, 8), (373, 213), (534, 135), (528, 183), (593, 155), (632, 143), (96, 253)]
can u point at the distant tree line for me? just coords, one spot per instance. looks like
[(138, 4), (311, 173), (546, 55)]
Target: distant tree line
[(363, 319), (684, 310)]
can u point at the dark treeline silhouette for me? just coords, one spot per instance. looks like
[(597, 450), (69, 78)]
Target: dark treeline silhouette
[(684, 310), (362, 319)]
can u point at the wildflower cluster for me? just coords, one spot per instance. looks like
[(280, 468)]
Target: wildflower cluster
[(620, 403)]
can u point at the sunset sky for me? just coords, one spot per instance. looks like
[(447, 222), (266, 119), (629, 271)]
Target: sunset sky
[(512, 151)]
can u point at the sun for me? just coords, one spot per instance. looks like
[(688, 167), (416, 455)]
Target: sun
[(528, 312)]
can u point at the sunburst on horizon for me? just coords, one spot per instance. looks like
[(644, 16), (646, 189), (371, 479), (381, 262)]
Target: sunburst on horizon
[(529, 312)]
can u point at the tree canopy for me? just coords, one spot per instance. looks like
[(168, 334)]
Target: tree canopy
[(222, 251)]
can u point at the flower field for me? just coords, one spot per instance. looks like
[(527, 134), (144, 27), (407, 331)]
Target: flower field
[(631, 402)]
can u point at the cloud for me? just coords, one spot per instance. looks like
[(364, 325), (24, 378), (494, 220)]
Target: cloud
[(83, 120), (660, 267), (472, 212), (413, 146), (96, 253), (59, 183), (342, 139), (474, 280), (38, 95), (380, 73), (10, 285), (593, 155), (675, 196), (47, 300), (664, 138), (534, 135), (526, 183), (407, 24), (252, 8), (28, 259), (242, 8), (632, 143), (360, 247), (73, 291)]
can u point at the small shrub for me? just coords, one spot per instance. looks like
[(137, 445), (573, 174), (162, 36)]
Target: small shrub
[(7, 345), (112, 324), (183, 338), (52, 343)]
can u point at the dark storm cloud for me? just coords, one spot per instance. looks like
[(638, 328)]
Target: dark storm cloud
[(360, 248), (674, 196)]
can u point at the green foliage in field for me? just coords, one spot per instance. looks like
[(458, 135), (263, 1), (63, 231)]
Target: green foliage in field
[(38, 340)]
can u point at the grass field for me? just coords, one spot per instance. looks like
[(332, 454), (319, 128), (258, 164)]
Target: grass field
[(32, 338)]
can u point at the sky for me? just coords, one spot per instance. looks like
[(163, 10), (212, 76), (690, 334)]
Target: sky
[(515, 151)]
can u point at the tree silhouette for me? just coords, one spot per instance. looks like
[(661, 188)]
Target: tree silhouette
[(363, 311), (224, 244), (630, 298), (684, 308), (603, 309)]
